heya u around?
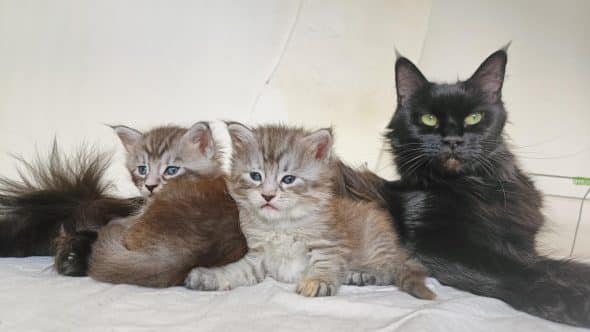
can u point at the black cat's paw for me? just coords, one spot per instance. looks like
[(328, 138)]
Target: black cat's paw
[(72, 253)]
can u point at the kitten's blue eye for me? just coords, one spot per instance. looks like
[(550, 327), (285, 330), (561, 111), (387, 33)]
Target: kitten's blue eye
[(171, 170), (142, 170), (288, 179), (256, 176)]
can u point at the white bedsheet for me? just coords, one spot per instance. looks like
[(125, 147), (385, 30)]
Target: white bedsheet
[(35, 298)]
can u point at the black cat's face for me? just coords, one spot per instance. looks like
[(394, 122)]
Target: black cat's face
[(448, 129)]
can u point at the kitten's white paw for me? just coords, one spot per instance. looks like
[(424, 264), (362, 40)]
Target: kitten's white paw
[(202, 279), (313, 287), (358, 278)]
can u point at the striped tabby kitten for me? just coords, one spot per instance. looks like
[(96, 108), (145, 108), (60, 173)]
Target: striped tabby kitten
[(191, 221), (297, 229), (157, 156)]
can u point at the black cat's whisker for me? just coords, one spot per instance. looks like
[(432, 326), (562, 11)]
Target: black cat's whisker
[(488, 167), (417, 166), (406, 151), (409, 157), (408, 144), (412, 165), (409, 154), (410, 161)]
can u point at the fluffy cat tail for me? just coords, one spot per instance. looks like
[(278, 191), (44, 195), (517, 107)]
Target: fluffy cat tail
[(111, 261), (557, 290), (66, 193)]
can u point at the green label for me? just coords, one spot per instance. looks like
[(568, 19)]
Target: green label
[(581, 181)]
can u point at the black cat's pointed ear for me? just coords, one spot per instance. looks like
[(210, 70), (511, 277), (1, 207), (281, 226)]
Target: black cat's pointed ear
[(408, 79), (241, 135), (199, 136), (128, 136), (320, 143), (489, 77)]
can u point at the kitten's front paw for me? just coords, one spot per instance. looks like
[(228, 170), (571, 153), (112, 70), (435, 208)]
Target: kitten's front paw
[(358, 278), (312, 287), (201, 279)]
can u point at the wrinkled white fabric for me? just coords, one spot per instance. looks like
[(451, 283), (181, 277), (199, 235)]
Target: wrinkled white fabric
[(33, 297)]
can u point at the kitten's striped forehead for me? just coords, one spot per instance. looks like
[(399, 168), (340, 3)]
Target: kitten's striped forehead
[(279, 143), (158, 141), (277, 149)]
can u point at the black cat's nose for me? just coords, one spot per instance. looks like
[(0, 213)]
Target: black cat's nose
[(268, 198), (453, 141), (151, 187)]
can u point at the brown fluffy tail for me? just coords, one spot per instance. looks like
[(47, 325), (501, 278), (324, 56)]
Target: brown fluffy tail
[(62, 192), (110, 261)]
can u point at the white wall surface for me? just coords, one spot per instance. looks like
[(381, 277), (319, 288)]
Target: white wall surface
[(67, 67)]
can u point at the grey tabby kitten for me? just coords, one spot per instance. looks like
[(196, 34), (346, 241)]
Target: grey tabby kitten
[(155, 157), (297, 229)]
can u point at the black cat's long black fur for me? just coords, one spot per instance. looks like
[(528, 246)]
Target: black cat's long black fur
[(463, 205), (58, 197)]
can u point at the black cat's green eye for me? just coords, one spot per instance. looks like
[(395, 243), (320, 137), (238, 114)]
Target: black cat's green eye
[(429, 119), (256, 176), (473, 118)]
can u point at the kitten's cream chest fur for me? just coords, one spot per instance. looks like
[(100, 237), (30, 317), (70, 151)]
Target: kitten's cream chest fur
[(285, 247)]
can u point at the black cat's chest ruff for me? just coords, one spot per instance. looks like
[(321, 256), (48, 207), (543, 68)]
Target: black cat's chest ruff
[(466, 215)]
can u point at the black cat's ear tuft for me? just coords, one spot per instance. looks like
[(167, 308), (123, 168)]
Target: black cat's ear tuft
[(128, 136), (199, 136), (408, 79), (489, 77)]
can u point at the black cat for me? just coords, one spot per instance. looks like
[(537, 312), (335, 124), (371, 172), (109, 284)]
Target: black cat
[(463, 205)]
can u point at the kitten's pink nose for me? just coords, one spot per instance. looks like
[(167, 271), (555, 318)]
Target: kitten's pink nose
[(268, 198), (151, 187)]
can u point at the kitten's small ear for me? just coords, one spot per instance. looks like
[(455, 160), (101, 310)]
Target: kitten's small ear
[(240, 134), (128, 136), (408, 79), (199, 136), (320, 142), (489, 77)]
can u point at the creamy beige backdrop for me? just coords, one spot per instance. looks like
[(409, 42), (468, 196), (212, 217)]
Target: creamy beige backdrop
[(68, 67)]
